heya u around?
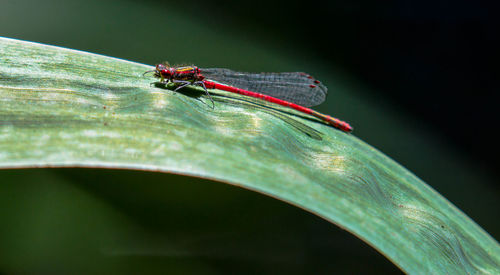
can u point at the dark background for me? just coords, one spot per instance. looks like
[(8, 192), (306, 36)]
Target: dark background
[(436, 61), (417, 79)]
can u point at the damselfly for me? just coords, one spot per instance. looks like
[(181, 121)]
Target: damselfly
[(290, 89)]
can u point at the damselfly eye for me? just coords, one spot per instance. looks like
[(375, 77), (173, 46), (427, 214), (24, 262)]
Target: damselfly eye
[(160, 67), (166, 72)]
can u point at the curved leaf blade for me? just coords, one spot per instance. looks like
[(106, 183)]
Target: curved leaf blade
[(60, 107)]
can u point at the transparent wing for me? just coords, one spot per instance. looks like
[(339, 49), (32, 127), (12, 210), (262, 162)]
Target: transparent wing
[(297, 87)]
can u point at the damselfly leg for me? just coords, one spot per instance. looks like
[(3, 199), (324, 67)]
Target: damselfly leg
[(184, 83)]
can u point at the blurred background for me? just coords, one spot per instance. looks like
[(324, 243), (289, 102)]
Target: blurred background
[(417, 79)]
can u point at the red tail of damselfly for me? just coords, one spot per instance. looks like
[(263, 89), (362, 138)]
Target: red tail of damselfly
[(295, 90)]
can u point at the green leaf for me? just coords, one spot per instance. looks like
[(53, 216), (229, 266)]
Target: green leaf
[(65, 108)]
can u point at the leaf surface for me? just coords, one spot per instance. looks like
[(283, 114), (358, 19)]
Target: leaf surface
[(65, 108)]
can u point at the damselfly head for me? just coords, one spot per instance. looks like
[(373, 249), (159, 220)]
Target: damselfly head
[(164, 71), (160, 67)]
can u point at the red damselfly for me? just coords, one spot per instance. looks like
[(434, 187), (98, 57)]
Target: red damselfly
[(293, 89)]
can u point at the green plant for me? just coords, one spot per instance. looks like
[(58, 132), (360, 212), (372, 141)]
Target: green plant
[(65, 108)]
